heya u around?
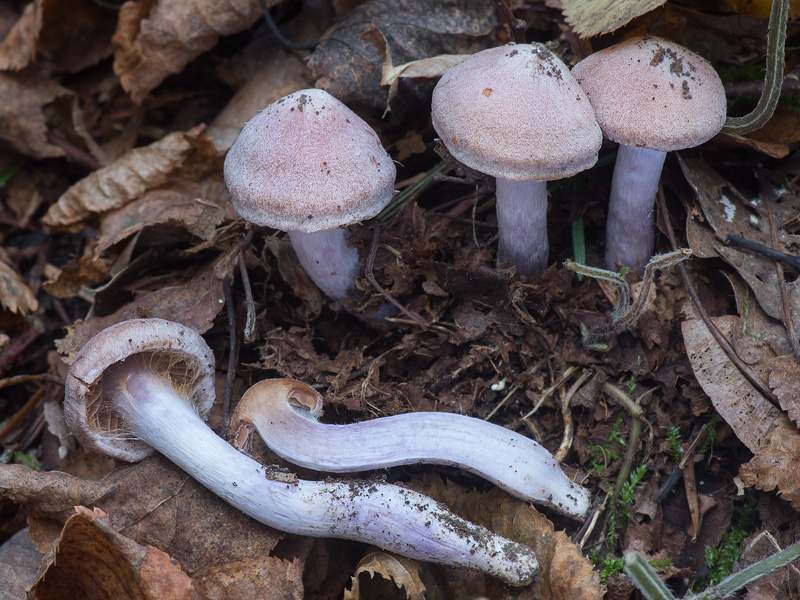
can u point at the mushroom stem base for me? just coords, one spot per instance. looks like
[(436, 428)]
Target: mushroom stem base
[(630, 230), (327, 259), (522, 222)]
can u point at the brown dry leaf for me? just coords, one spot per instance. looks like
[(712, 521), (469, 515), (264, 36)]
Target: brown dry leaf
[(71, 279), (264, 577), (595, 17), (70, 35), (22, 122), (181, 206), (91, 560), (402, 572), (784, 380), (19, 565), (728, 213), (126, 179), (748, 413), (157, 38), (426, 68), (152, 502), (564, 573), (350, 67), (279, 73), (15, 295), (775, 466), (195, 300)]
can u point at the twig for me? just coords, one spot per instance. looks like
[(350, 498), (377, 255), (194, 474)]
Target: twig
[(233, 353), (371, 278), (723, 342), (566, 415), (564, 378), (250, 319), (277, 32), (517, 26), (787, 259)]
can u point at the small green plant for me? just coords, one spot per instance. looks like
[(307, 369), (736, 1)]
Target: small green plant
[(610, 564), (675, 440), (604, 453), (711, 434), (720, 560), (27, 459)]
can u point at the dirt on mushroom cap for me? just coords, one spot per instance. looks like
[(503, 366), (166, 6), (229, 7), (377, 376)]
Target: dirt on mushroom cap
[(308, 163), (516, 112), (652, 93)]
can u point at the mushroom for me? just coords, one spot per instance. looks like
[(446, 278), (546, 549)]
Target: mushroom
[(147, 384), (651, 96), (517, 114), (285, 412), (308, 165)]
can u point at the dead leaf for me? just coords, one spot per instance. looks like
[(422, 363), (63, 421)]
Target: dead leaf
[(181, 206), (15, 295), (775, 465), (126, 179), (195, 300), (81, 272), (19, 565), (279, 74), (264, 577), (784, 380), (91, 559), (152, 502), (69, 35), (595, 17), (157, 38), (564, 573), (22, 122), (350, 67), (403, 573), (749, 414)]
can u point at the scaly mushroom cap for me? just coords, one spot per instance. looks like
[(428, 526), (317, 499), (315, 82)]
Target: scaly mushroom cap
[(308, 163), (170, 349), (516, 112), (652, 93)]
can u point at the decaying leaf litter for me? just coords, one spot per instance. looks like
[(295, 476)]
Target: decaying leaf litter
[(115, 124)]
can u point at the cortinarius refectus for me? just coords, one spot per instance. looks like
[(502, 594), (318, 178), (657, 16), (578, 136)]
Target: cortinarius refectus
[(142, 385), (285, 412)]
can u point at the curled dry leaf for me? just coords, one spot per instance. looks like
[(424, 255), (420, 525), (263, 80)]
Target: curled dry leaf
[(22, 122), (158, 38), (126, 179), (402, 572), (349, 66), (153, 502), (564, 573), (595, 17), (69, 36), (90, 556), (15, 295)]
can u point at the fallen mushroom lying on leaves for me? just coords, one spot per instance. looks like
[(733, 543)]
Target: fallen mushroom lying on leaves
[(285, 412), (147, 384)]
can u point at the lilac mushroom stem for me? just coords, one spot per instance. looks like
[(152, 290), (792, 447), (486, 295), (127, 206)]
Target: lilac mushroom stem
[(630, 229), (128, 387), (522, 222), (330, 263), (285, 411)]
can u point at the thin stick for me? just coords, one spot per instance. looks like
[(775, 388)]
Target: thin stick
[(233, 354), (517, 26)]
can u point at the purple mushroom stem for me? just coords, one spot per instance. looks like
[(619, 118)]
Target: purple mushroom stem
[(630, 230), (284, 413), (522, 222), (138, 386), (330, 263)]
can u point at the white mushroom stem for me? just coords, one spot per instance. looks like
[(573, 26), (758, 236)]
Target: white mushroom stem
[(388, 516), (630, 228), (330, 263), (522, 223), (285, 411)]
